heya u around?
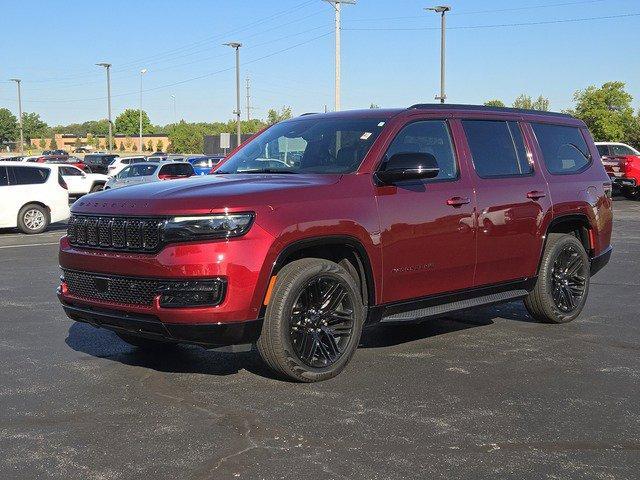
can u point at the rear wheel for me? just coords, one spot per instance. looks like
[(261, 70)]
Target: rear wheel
[(632, 193), (313, 322), (33, 219), (563, 281)]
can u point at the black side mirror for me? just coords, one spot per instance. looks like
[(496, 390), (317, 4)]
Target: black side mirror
[(407, 166)]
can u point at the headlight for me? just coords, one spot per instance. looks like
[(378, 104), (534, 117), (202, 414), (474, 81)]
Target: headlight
[(210, 226)]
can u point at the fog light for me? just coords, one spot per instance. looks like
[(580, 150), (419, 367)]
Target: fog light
[(192, 293)]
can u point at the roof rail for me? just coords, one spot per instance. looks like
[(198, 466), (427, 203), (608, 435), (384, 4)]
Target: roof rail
[(483, 108), (309, 113)]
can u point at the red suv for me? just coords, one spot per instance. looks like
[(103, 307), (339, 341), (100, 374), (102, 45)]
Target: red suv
[(622, 163), (325, 223)]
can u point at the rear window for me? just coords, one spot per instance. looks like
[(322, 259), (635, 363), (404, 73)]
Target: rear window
[(623, 150), (141, 170), (30, 176), (3, 177), (564, 149), (497, 148), (177, 169), (603, 150)]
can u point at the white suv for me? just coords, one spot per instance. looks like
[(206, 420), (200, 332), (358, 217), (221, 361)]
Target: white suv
[(79, 182), (32, 196), (118, 163)]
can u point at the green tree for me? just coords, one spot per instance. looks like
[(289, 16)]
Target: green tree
[(78, 142), (159, 146), (273, 116), (494, 103), (606, 110), (633, 136), (33, 126), (43, 143), (525, 101), (8, 126), (53, 145), (150, 146), (128, 122), (121, 148)]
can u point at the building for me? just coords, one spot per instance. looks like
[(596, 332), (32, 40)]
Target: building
[(123, 143)]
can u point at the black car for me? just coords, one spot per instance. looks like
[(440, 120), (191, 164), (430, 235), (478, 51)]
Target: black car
[(55, 152), (98, 162)]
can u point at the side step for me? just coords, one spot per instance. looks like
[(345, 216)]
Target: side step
[(454, 306)]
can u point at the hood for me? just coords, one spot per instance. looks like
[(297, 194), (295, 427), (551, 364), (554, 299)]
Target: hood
[(203, 193)]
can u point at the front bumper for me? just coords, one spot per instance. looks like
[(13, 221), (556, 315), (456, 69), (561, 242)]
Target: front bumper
[(149, 326)]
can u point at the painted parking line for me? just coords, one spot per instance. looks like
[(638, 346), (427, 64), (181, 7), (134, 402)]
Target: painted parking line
[(29, 245)]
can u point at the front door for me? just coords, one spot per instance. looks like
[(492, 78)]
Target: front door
[(427, 226), (512, 201)]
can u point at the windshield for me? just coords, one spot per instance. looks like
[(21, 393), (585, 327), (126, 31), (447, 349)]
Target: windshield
[(139, 170), (313, 144)]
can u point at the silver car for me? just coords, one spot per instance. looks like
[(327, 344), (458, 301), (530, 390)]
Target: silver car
[(147, 172)]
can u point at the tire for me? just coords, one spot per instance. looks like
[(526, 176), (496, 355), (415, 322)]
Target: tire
[(316, 343), (96, 188), (33, 219), (145, 343), (632, 193), (562, 285)]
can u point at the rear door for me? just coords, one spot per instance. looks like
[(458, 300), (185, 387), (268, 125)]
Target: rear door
[(26, 184), (74, 179), (512, 200)]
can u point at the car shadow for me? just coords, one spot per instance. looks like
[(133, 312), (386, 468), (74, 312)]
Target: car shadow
[(103, 343)]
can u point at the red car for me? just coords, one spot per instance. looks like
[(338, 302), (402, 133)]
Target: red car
[(62, 159), (622, 163), (327, 222)]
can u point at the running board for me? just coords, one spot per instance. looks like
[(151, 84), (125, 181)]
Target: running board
[(454, 306)]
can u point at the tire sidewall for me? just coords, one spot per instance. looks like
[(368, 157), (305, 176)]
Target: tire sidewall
[(22, 225)]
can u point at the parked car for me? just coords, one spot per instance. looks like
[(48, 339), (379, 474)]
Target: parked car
[(81, 183), (119, 163), (82, 150), (32, 196), (62, 160), (391, 216), (55, 152), (622, 163), (147, 172), (202, 164), (12, 159), (99, 162)]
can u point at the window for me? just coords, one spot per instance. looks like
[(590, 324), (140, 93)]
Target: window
[(3, 177), (603, 150), (178, 169), (310, 144), (70, 172), (140, 170), (622, 150), (30, 176), (429, 136), (497, 148), (563, 148)]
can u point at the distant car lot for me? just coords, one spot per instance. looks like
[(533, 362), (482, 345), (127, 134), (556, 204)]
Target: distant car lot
[(484, 394)]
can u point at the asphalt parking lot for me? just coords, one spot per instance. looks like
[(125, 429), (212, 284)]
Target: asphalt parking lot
[(483, 394)]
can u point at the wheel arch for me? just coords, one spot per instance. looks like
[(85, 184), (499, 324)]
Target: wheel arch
[(576, 224), (40, 204)]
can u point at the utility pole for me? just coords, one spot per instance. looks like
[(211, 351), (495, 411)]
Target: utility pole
[(337, 6), (107, 66), (236, 46), (248, 99), (441, 9), (17, 80), (142, 72), (175, 112)]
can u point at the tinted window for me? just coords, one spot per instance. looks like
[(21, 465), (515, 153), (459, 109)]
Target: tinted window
[(497, 148), (141, 170), (177, 169), (623, 150), (3, 177), (30, 176), (563, 148), (431, 136), (603, 150), (68, 171)]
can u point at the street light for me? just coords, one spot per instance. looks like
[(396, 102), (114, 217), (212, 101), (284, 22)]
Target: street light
[(107, 66), (142, 72), (336, 4), (237, 46), (17, 80), (441, 9)]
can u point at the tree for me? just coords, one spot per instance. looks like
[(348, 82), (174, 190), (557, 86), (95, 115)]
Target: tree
[(606, 110), (159, 146), (633, 137), (134, 147), (150, 146), (127, 143), (121, 148), (33, 126), (78, 142), (494, 103), (8, 126), (273, 116), (128, 122), (53, 145), (525, 101), (43, 143)]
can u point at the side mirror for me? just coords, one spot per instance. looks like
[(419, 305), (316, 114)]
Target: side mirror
[(407, 166)]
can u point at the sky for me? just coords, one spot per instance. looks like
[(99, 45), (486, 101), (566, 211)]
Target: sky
[(390, 54)]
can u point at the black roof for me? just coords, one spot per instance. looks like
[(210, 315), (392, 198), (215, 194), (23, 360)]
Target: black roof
[(483, 108)]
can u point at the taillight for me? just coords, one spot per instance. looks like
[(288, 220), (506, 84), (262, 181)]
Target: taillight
[(61, 181)]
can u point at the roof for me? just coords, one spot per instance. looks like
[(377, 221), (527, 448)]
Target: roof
[(30, 164)]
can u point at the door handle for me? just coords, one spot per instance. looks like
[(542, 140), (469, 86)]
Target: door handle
[(458, 201), (535, 195)]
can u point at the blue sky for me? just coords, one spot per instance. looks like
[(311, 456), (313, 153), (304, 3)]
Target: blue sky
[(390, 54)]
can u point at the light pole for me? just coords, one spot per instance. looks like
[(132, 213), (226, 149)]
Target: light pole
[(441, 9), (107, 66), (17, 80), (236, 46), (142, 72), (175, 112), (337, 4)]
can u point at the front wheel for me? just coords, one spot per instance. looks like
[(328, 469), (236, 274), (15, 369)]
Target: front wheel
[(33, 219), (563, 281), (632, 193), (313, 321)]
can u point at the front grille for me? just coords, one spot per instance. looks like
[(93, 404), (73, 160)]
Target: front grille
[(132, 234), (114, 289)]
